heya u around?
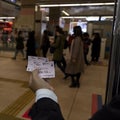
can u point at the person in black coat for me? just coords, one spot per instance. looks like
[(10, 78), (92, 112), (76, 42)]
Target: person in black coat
[(86, 43), (45, 43), (19, 45), (46, 106), (31, 51), (96, 45)]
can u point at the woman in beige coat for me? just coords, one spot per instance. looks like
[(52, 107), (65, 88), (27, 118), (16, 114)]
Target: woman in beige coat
[(75, 65)]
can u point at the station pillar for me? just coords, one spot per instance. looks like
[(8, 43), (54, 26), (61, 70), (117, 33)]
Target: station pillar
[(54, 16)]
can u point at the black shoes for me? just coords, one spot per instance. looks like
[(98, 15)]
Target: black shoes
[(72, 86), (88, 64), (76, 85)]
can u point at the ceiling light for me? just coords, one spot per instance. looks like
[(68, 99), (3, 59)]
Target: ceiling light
[(96, 4), (87, 18), (106, 17), (71, 17), (92, 18), (7, 17), (85, 4), (65, 13)]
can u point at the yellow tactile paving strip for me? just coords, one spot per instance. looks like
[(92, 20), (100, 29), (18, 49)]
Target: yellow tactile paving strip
[(8, 117), (25, 84), (11, 111), (19, 104)]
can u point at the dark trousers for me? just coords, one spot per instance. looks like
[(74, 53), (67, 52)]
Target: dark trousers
[(17, 51), (63, 61), (44, 51), (85, 59), (75, 78), (60, 66)]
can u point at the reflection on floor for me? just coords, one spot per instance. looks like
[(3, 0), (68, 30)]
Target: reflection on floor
[(16, 98)]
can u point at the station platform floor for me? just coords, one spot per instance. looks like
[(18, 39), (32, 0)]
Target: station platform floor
[(76, 103)]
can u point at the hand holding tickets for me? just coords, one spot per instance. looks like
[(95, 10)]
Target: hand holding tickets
[(36, 82), (45, 67)]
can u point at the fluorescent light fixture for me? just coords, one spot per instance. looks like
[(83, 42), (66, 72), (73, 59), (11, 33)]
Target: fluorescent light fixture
[(85, 4), (96, 4), (36, 8), (106, 17), (92, 18), (7, 17), (87, 18), (68, 17), (65, 13), (71, 17)]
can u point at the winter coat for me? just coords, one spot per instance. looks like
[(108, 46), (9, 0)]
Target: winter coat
[(59, 46), (46, 109), (45, 42), (19, 43), (96, 45), (77, 55), (31, 51)]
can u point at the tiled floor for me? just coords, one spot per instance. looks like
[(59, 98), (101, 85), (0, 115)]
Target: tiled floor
[(16, 97)]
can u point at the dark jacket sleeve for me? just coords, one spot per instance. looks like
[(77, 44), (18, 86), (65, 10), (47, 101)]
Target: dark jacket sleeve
[(45, 109)]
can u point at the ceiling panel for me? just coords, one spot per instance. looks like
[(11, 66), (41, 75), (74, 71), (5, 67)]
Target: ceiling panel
[(77, 11), (25, 2), (90, 10), (72, 1)]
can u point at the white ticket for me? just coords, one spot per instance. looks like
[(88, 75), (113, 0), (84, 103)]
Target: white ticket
[(46, 68)]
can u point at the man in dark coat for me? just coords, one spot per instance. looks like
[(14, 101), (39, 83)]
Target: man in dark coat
[(46, 106), (96, 46), (19, 45), (31, 50)]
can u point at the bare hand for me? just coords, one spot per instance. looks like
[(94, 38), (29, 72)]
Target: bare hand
[(36, 82)]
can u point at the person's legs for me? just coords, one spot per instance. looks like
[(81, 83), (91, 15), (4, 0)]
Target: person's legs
[(66, 76), (16, 52), (44, 52), (93, 58), (63, 62), (60, 66), (85, 58), (73, 84), (22, 52), (97, 58), (78, 80)]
